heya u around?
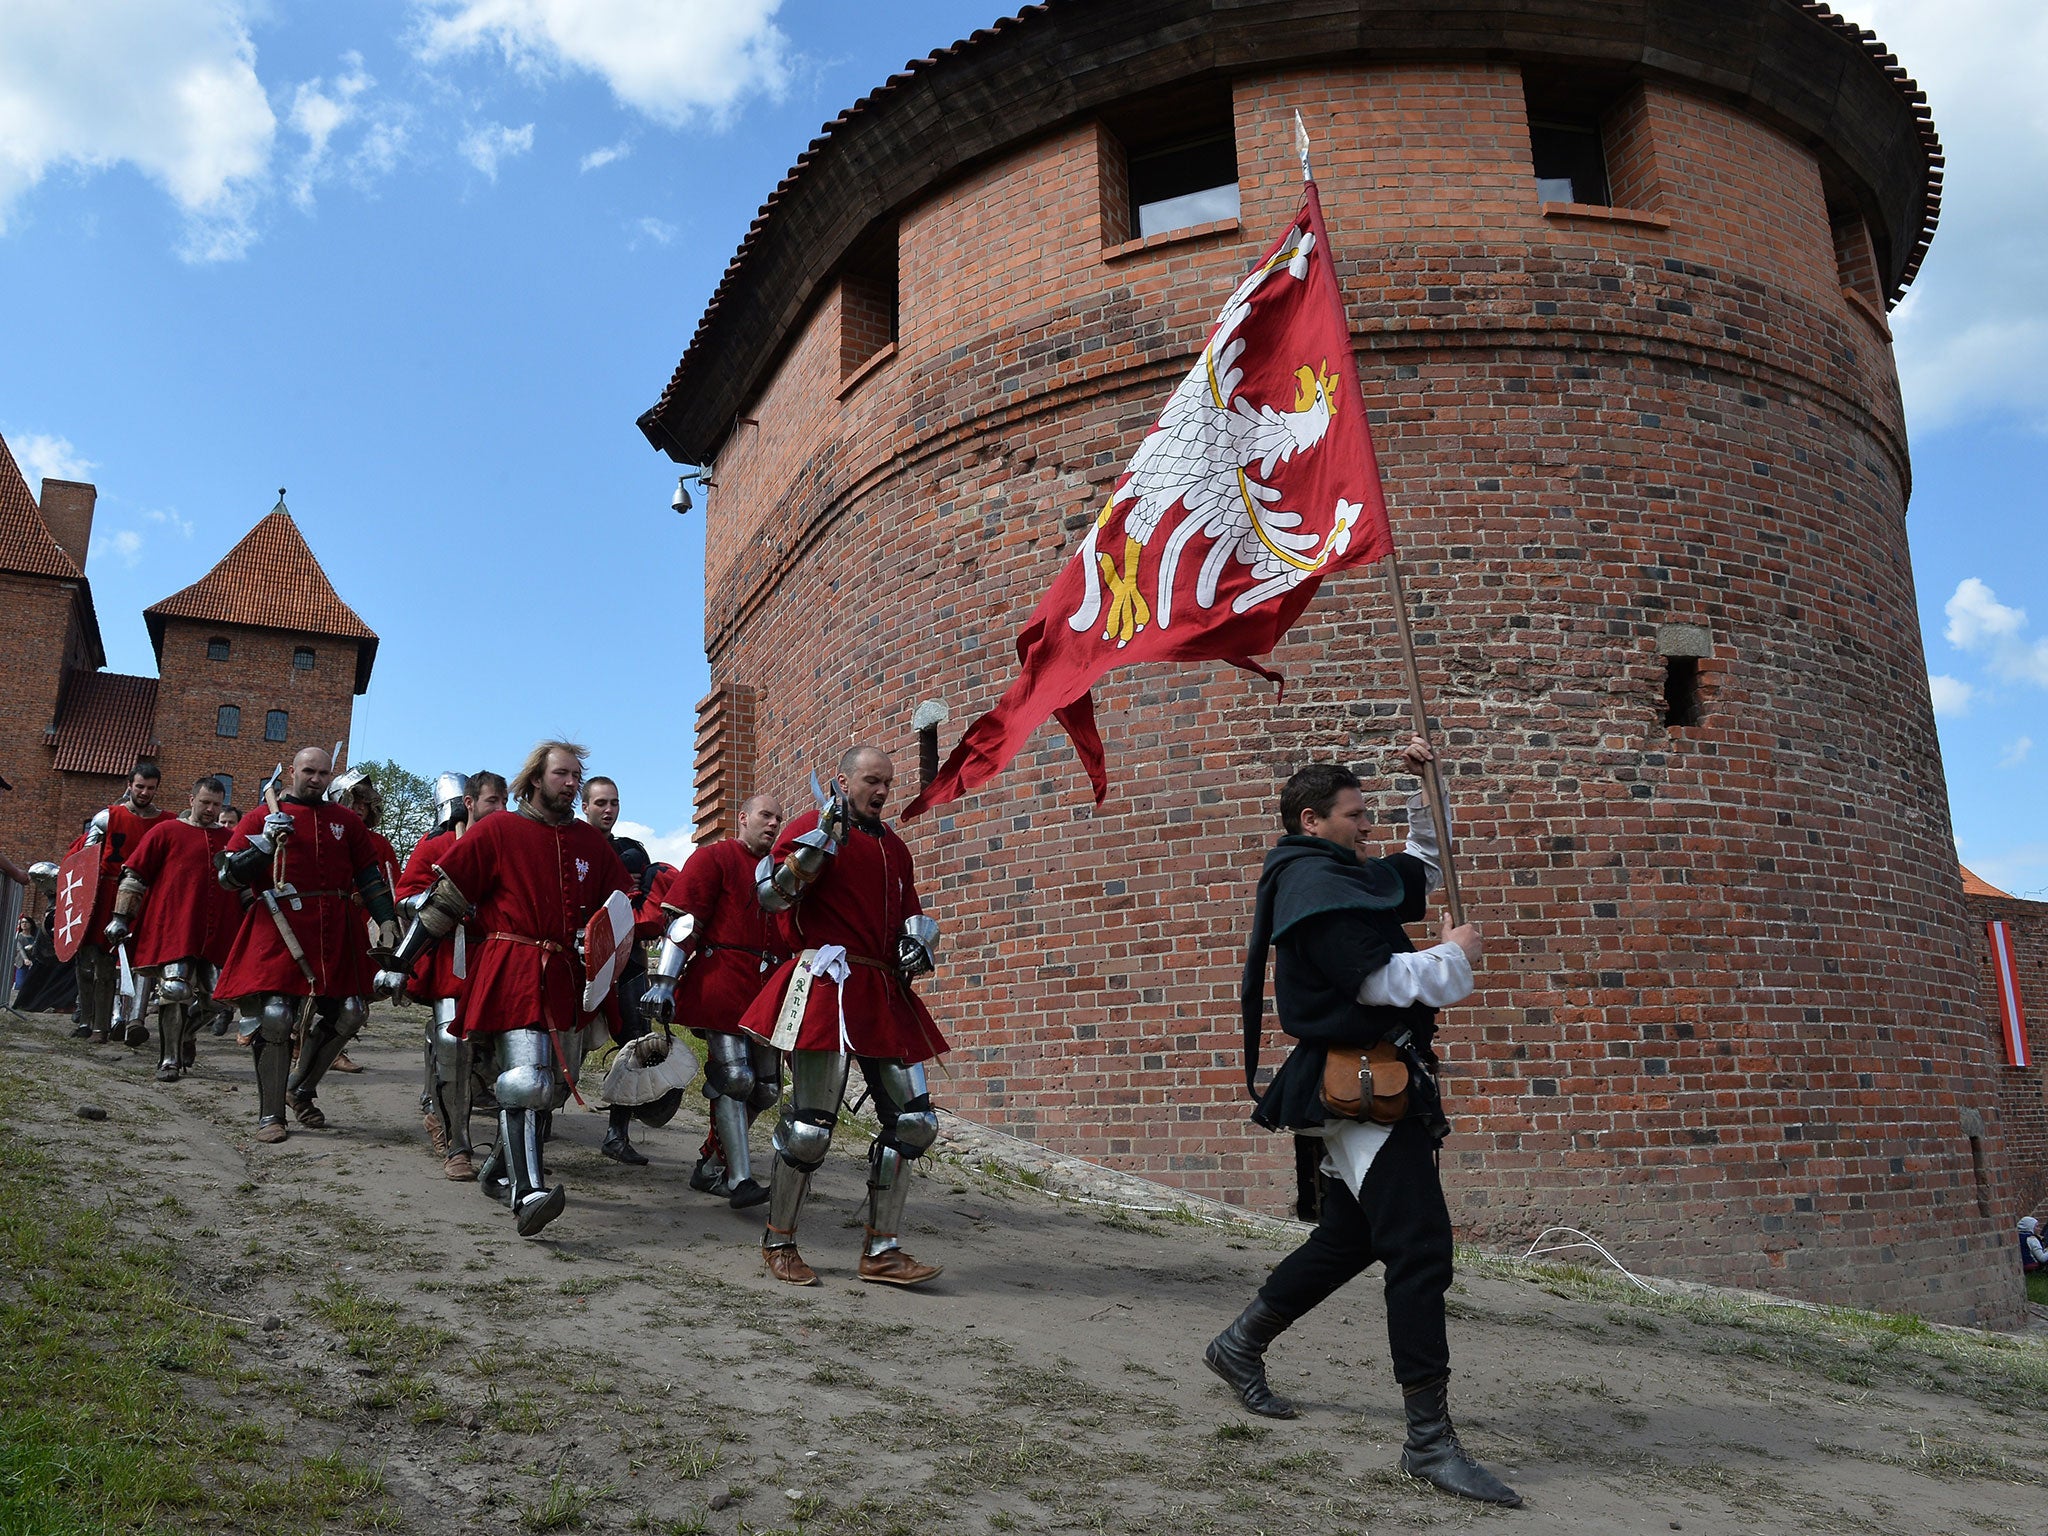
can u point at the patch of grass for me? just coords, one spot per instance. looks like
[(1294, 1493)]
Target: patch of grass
[(2037, 1288), (563, 1507), (692, 1460), (1234, 1431), (97, 1431)]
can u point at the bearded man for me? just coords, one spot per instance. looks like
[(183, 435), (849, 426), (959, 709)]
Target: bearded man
[(180, 920), (118, 830), (708, 979), (842, 881), (534, 878), (303, 862)]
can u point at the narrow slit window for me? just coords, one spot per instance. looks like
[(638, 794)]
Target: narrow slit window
[(1185, 184), (1571, 165), (1983, 1175), (1681, 691)]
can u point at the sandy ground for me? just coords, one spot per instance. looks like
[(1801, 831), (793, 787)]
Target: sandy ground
[(635, 1368)]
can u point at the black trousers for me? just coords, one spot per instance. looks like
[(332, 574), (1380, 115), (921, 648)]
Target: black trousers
[(1399, 1219)]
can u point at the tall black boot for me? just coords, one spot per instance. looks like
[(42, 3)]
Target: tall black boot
[(1434, 1454), (1238, 1355)]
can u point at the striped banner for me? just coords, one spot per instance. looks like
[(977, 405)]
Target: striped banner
[(2005, 970)]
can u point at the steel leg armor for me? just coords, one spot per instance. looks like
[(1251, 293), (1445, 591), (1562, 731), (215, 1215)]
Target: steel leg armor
[(179, 1004), (449, 1061), (802, 1138), (742, 1076), (266, 1029), (909, 1126), (336, 1021), (98, 979), (526, 1088)]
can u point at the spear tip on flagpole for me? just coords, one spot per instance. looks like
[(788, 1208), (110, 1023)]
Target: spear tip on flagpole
[(1301, 145)]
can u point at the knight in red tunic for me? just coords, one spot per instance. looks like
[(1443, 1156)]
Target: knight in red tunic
[(119, 831), (843, 884), (358, 791), (303, 861), (447, 1092), (709, 973), (535, 879), (179, 920)]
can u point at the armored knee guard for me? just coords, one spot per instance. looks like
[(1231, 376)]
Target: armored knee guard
[(173, 1030), (730, 1084), (802, 1137), (267, 1029), (525, 1089), (336, 1021), (767, 1077), (450, 1062), (909, 1125)]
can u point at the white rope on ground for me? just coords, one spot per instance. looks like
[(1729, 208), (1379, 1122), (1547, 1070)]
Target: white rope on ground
[(1586, 1240)]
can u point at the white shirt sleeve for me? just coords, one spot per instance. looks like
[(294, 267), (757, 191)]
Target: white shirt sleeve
[(1436, 977), (1423, 842)]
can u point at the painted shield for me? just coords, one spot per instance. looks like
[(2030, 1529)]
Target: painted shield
[(607, 944), (78, 886)]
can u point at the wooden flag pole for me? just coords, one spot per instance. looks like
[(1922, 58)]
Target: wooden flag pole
[(1432, 779)]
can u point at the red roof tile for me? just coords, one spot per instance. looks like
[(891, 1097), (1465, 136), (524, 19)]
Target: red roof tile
[(268, 581), (26, 544), (1976, 885), (108, 721)]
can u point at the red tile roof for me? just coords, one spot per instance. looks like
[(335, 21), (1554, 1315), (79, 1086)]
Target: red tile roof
[(107, 722), (26, 544), (269, 581), (1976, 885)]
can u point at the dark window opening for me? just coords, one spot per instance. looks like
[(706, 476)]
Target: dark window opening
[(227, 786), (302, 659), (869, 300), (1855, 254), (1983, 1175), (1571, 164), (228, 722), (1185, 184), (927, 757), (1681, 691), (275, 725), (216, 649)]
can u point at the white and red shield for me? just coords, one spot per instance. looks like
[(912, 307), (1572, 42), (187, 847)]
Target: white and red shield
[(607, 944), (78, 886)]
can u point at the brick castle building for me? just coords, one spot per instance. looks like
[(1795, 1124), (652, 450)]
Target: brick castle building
[(256, 659), (1618, 279)]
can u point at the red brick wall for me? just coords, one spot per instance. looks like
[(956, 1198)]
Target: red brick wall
[(258, 676), (1728, 1021), (2022, 1091), (39, 619)]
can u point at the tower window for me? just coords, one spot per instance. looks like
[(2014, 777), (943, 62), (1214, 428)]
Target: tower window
[(229, 721), (1571, 166), (1184, 184), (1681, 691), (217, 649), (868, 300), (275, 725), (302, 659), (227, 784)]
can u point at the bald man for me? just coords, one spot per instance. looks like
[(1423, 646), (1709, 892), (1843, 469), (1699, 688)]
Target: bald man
[(302, 862)]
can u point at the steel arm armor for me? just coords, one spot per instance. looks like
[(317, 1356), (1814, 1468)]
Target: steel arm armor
[(442, 908), (660, 996), (781, 886), (244, 868)]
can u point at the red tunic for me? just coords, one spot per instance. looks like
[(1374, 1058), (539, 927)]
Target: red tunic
[(187, 915), (125, 831), (434, 976), (328, 847), (534, 887), (737, 944), (860, 900), (364, 929)]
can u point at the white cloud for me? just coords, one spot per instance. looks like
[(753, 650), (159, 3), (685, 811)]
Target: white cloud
[(167, 86), (674, 61), (2016, 752), (42, 457), (1972, 335), (662, 847), (484, 147), (182, 527), (2022, 869), (1951, 695), (127, 544), (605, 156), (319, 110), (1981, 625), (660, 231)]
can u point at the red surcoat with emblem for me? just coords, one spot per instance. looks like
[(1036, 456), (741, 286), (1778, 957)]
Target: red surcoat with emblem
[(188, 915), (434, 975), (860, 901), (535, 888), (738, 946), (125, 832), (328, 846)]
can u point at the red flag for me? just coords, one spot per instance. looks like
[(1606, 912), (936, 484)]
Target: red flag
[(1258, 480), (2005, 971)]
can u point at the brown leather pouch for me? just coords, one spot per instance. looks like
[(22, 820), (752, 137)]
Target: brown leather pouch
[(1371, 1084)]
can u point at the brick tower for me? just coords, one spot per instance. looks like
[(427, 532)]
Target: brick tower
[(1617, 280)]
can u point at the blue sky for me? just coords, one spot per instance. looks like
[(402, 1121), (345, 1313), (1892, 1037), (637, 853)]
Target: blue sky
[(423, 264)]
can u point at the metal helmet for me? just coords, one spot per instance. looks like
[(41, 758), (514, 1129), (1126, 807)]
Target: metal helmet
[(44, 877), (358, 791), (339, 786), (450, 790)]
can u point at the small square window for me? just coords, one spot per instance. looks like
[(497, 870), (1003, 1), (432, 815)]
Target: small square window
[(216, 649), (275, 725), (1187, 184), (228, 722), (1570, 165), (302, 659), (227, 787)]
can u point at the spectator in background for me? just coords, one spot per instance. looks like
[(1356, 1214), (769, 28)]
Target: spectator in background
[(2033, 1252)]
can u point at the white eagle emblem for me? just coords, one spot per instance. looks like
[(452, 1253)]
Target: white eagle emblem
[(336, 828), (582, 869)]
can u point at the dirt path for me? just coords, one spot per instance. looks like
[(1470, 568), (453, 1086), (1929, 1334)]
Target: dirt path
[(636, 1370)]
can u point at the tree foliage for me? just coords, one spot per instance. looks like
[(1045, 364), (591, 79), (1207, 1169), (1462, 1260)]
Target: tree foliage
[(408, 803)]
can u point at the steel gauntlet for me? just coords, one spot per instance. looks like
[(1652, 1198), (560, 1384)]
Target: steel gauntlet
[(660, 996), (917, 947)]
